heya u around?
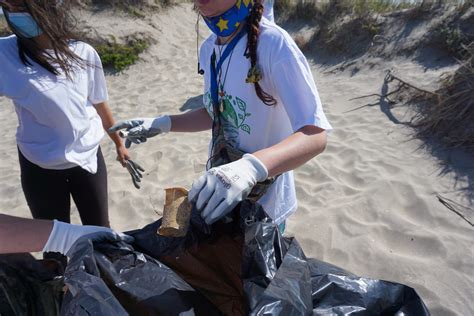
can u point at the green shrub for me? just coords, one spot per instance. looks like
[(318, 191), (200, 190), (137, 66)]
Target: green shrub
[(120, 56)]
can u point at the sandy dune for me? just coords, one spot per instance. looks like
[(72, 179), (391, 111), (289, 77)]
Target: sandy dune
[(368, 204)]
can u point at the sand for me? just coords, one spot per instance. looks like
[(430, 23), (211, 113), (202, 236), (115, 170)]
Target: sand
[(367, 204)]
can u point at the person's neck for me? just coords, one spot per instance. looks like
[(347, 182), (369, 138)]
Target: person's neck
[(224, 40)]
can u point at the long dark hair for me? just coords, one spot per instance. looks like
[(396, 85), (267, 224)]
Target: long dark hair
[(253, 32), (54, 18)]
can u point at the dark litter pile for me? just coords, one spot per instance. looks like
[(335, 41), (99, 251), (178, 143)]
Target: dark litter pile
[(238, 267)]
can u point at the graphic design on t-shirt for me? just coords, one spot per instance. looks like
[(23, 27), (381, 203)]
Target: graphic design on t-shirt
[(234, 114)]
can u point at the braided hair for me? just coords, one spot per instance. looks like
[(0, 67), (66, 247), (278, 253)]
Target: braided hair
[(253, 22)]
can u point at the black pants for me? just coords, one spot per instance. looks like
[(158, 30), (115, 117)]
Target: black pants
[(48, 192)]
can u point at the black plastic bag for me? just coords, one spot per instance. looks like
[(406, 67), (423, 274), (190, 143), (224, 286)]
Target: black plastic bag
[(276, 277), (29, 286), (111, 278)]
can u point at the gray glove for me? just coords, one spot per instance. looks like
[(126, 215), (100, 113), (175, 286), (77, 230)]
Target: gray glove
[(135, 171), (138, 130)]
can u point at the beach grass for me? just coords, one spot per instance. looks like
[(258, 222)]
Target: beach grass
[(322, 9)]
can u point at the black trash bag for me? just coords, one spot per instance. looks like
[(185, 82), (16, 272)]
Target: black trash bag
[(29, 286), (111, 278), (302, 286), (242, 266)]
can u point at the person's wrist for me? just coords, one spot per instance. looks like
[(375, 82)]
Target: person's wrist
[(163, 123), (258, 168), (119, 145), (59, 237)]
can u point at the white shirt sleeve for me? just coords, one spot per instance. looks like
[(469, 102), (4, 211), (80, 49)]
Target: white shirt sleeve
[(97, 83), (294, 83)]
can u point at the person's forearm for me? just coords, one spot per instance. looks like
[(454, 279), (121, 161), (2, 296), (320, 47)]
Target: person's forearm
[(192, 121), (22, 234), (293, 151), (108, 121)]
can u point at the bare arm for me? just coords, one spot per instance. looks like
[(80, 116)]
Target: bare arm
[(293, 151), (22, 234), (192, 121), (107, 118)]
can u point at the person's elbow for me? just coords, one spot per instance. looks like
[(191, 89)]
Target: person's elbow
[(318, 138), (322, 142)]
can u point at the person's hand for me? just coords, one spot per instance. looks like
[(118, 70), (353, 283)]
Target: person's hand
[(138, 130), (135, 171), (122, 155), (217, 192), (63, 236)]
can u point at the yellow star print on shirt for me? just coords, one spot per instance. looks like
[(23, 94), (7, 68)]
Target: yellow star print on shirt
[(223, 24)]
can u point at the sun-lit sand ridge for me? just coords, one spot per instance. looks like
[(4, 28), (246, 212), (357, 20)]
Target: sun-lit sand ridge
[(368, 204)]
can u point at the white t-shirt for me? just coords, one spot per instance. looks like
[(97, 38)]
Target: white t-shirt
[(251, 125), (268, 10), (59, 127)]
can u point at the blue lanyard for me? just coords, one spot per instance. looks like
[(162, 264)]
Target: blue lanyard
[(215, 69)]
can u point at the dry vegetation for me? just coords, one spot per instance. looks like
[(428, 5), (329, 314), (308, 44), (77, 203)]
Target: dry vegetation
[(351, 28), (449, 114)]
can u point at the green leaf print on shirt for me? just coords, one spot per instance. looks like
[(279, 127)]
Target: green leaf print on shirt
[(245, 128), (237, 104), (229, 113), (234, 112)]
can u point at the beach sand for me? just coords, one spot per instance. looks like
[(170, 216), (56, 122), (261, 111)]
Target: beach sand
[(367, 204)]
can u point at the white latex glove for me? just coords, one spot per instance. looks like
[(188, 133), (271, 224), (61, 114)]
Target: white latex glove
[(218, 191), (63, 236), (138, 130)]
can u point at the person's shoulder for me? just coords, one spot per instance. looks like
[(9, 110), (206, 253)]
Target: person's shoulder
[(83, 49), (8, 41), (272, 33), (275, 39), (206, 48), (208, 42)]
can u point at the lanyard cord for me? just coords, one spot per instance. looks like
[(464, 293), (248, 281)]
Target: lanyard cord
[(221, 83), (215, 69)]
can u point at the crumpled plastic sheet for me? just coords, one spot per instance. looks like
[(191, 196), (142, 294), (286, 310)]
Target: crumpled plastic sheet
[(302, 286), (113, 279), (277, 278), (29, 286)]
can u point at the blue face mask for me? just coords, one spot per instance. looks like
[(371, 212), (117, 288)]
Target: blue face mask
[(24, 24), (225, 24)]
